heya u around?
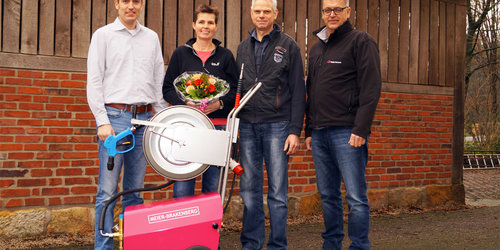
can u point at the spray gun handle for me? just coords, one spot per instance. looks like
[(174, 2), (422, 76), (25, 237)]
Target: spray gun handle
[(110, 145)]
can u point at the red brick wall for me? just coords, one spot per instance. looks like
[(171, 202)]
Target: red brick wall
[(411, 140), (48, 150)]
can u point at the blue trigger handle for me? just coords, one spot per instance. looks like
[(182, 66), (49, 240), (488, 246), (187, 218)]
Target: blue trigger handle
[(111, 141)]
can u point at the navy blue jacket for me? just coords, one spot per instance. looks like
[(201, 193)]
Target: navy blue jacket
[(282, 95)]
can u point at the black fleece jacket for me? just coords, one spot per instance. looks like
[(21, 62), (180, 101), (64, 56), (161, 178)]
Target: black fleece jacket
[(220, 64), (344, 81)]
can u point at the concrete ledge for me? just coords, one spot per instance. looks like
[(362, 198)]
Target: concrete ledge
[(76, 220)]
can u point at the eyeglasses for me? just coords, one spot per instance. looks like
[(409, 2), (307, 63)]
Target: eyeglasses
[(337, 11)]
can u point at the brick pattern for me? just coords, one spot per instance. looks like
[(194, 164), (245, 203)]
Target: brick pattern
[(411, 141), (48, 150)]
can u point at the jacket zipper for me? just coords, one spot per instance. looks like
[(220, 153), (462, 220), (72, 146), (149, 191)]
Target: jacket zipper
[(313, 119)]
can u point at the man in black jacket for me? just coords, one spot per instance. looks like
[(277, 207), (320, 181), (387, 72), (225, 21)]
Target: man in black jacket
[(343, 88), (271, 123)]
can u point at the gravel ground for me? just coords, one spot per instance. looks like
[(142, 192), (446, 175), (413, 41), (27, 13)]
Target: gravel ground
[(462, 227)]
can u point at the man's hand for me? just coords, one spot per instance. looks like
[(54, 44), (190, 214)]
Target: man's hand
[(308, 143), (104, 131), (356, 141), (292, 144)]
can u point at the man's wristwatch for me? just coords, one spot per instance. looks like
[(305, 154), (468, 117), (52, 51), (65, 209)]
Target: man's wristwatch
[(221, 104)]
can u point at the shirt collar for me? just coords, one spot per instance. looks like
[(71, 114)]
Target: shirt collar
[(118, 25), (323, 34)]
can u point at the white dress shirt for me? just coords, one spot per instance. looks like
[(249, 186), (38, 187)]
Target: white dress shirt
[(124, 66)]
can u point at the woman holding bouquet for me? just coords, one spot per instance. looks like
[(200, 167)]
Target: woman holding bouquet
[(205, 55)]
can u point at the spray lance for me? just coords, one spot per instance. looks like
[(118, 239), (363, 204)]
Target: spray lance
[(234, 165)]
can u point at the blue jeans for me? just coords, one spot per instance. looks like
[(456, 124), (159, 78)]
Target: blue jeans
[(258, 142), (335, 159), (210, 180), (134, 163)]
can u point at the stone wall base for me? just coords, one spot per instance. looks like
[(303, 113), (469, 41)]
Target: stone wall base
[(77, 220)]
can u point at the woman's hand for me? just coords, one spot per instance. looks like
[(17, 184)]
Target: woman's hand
[(211, 107)]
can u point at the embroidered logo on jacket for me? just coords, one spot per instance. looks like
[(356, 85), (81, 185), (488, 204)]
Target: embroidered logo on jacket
[(278, 54), (215, 64), (333, 62)]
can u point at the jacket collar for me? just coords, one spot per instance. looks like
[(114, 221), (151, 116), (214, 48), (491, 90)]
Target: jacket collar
[(275, 32), (191, 41), (322, 33)]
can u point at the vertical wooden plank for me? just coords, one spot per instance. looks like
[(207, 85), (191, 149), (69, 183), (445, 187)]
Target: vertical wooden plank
[(383, 38), (220, 4), (170, 33), (63, 28), (279, 19), (29, 27), (81, 28), (246, 22), (98, 14), (301, 29), (315, 22), (200, 2), (450, 45), (354, 9), (154, 18), (392, 74), (290, 17), (404, 41), (362, 15), (434, 43), (442, 43), (111, 12), (11, 25), (373, 18), (423, 58), (414, 38), (233, 26), (46, 28), (185, 18), (459, 96)]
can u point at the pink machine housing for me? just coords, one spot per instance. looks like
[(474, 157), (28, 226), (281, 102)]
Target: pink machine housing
[(174, 224)]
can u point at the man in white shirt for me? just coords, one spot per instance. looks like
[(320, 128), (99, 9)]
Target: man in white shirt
[(124, 71)]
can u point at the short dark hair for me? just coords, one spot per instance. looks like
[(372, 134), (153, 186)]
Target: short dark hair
[(204, 8)]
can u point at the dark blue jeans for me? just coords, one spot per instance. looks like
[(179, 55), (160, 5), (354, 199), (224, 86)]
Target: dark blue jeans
[(134, 169), (264, 142), (334, 160), (209, 182)]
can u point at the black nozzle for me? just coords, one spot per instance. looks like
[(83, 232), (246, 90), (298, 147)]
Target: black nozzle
[(111, 163)]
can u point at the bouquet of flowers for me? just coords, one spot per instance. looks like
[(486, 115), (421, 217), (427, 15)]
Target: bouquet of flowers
[(200, 88)]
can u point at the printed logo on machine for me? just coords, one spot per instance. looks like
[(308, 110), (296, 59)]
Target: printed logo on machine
[(174, 215)]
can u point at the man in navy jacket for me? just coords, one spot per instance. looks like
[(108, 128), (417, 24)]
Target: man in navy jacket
[(271, 123)]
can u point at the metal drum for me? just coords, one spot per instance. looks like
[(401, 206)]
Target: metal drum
[(157, 142)]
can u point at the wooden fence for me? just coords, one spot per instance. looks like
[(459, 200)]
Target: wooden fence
[(421, 41)]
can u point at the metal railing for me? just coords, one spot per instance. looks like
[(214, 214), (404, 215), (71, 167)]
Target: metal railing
[(481, 159)]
